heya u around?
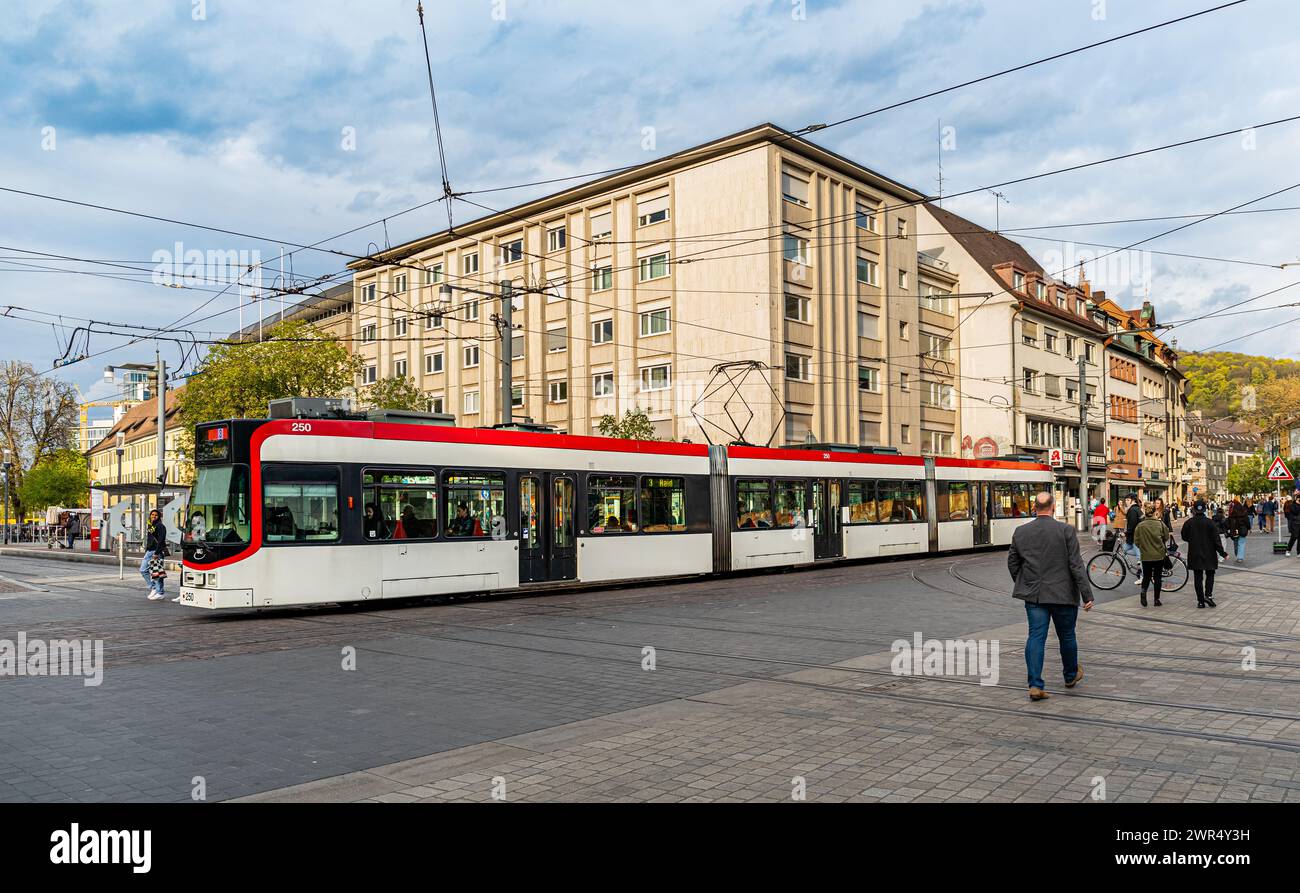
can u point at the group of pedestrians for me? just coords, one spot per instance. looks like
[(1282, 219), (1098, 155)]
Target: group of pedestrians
[(1047, 567)]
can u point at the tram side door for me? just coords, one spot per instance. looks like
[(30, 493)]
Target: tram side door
[(547, 548), (827, 539), (982, 512)]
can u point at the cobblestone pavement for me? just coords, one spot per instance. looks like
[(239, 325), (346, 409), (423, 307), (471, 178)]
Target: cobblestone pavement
[(763, 688)]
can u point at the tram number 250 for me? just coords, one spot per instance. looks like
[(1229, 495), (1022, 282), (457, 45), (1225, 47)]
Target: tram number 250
[(300, 427)]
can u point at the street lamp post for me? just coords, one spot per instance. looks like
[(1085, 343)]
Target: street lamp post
[(5, 468)]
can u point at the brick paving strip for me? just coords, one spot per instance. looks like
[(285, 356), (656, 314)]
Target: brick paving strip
[(1166, 713)]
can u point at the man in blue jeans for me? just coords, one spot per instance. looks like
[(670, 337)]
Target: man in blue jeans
[(1047, 568)]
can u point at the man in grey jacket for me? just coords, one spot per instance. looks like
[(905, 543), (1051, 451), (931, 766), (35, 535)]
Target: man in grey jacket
[(1048, 571)]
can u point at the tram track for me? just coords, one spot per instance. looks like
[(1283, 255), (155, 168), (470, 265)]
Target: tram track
[(885, 673), (1287, 746)]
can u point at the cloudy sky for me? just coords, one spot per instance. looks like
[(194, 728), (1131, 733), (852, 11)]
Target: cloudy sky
[(293, 121)]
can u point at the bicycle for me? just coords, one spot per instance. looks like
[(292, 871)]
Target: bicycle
[(1108, 569)]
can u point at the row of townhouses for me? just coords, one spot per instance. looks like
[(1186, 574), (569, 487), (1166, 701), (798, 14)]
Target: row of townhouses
[(853, 311)]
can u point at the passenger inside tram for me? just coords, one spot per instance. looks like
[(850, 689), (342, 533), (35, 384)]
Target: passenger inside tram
[(463, 524), (375, 526)]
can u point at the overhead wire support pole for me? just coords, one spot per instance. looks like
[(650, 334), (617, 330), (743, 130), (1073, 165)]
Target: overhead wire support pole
[(447, 194)]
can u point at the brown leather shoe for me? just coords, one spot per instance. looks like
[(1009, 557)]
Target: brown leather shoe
[(1037, 694), (1078, 677)]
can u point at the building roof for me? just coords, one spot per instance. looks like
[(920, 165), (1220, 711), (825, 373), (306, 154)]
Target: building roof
[(991, 250), (139, 422), (1225, 433), (745, 139), (336, 297)]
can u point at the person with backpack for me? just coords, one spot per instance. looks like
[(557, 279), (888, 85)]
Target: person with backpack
[(1152, 538)]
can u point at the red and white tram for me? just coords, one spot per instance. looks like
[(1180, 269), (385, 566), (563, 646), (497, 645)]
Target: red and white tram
[(312, 510)]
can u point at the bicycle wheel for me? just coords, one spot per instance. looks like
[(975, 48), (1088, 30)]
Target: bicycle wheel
[(1106, 570), (1175, 578)]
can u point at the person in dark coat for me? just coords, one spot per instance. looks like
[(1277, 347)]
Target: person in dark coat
[(1045, 563), (1291, 512), (1239, 528), (1204, 549)]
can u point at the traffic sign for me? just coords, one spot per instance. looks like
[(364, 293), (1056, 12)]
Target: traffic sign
[(1279, 472)]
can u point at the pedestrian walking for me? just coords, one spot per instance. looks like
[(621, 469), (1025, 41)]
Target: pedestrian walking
[(1152, 538), (1292, 514), (1100, 518), (1047, 568), (1238, 528), (1204, 549), (1270, 513), (74, 529), (1260, 513), (1132, 518), (155, 546)]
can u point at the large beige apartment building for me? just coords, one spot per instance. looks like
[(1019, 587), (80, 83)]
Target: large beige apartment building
[(760, 248)]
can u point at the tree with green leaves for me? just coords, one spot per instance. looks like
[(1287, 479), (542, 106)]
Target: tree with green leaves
[(395, 393), (61, 479), (1249, 476), (237, 379), (38, 416), (635, 425)]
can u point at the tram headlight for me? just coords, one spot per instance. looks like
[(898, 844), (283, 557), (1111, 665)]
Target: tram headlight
[(212, 579)]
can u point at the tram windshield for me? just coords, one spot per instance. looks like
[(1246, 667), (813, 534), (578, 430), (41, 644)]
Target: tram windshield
[(219, 509)]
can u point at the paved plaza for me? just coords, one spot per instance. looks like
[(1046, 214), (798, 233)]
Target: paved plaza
[(756, 688)]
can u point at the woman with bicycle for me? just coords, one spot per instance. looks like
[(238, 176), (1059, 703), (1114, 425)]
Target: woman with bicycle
[(1151, 538)]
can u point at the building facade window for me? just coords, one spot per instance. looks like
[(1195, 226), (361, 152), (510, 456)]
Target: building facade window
[(556, 238), (512, 252), (656, 378), (798, 367), (798, 308), (653, 267), (602, 278), (868, 379), (654, 322), (602, 331), (470, 402), (794, 188), (868, 272), (795, 249), (602, 384), (471, 356)]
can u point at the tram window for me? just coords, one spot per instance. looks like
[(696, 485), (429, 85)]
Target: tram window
[(862, 502), (530, 507), (475, 503), (1012, 500), (562, 512), (901, 502), (1024, 499), (219, 511), (400, 505), (753, 503), (663, 504), (790, 503), (954, 501), (611, 504), (300, 511)]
